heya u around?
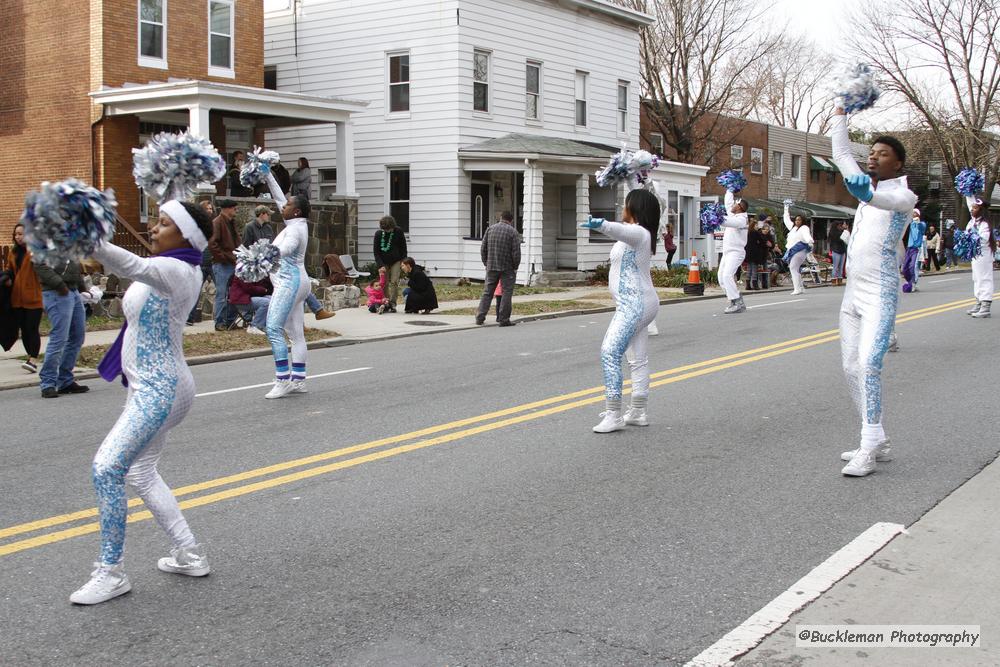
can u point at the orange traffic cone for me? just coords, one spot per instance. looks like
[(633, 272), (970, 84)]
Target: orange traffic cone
[(694, 286)]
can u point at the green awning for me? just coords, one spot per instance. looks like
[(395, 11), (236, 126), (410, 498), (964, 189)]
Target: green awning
[(807, 209), (817, 163)]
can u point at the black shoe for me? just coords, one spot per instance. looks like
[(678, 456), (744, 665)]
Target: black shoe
[(74, 388), (508, 323), (480, 322), (391, 309), (50, 392)]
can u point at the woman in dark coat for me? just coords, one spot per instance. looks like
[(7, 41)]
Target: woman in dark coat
[(420, 294), (757, 251)]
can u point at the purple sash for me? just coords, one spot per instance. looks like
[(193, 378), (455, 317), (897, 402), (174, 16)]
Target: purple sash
[(111, 365)]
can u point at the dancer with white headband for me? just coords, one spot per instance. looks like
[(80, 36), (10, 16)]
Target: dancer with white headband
[(149, 354), (982, 266), (291, 287)]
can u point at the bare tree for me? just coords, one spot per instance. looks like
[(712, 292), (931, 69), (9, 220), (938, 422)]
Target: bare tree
[(695, 58), (788, 86), (943, 58)]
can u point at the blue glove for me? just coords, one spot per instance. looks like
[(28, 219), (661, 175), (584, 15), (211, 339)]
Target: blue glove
[(860, 185), (593, 223)]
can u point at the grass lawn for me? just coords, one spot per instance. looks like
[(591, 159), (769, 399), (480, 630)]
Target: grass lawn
[(211, 342), (535, 307), (475, 290), (94, 323)]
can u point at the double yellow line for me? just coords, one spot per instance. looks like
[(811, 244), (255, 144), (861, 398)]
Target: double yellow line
[(449, 432)]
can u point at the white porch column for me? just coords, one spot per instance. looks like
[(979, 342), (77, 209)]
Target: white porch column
[(531, 255), (198, 120), (345, 159), (582, 213)]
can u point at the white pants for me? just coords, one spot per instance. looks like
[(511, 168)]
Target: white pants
[(982, 275), (795, 267), (730, 264)]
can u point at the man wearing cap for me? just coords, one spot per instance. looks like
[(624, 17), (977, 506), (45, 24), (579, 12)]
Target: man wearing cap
[(222, 246)]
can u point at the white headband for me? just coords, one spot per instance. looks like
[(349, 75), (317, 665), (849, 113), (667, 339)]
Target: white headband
[(189, 228)]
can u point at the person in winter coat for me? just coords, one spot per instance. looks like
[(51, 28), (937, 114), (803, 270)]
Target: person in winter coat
[(390, 250), (25, 298), (756, 251), (302, 179), (420, 294)]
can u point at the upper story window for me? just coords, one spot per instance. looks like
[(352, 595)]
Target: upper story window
[(153, 33), (271, 77), (220, 37), (481, 81), (623, 107), (533, 90), (399, 82), (796, 167), (581, 98), (656, 143), (756, 160), (736, 157), (777, 164)]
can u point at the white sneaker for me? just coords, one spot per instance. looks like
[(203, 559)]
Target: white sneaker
[(893, 342), (299, 387), (185, 561), (612, 421), (254, 330), (861, 464), (798, 291), (974, 309), (281, 388), (636, 417), (883, 452), (106, 582)]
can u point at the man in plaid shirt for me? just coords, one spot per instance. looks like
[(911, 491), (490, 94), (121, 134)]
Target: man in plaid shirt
[(501, 253)]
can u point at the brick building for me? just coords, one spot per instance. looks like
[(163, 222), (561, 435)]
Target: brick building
[(136, 67)]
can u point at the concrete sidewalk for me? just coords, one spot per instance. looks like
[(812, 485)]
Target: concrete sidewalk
[(941, 571), (350, 325)]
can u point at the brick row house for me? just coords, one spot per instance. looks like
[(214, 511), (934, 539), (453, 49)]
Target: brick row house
[(778, 163), (142, 66)]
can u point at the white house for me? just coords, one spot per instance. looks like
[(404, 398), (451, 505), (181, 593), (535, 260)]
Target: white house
[(476, 107)]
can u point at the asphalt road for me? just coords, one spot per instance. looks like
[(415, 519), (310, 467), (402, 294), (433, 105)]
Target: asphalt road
[(457, 509)]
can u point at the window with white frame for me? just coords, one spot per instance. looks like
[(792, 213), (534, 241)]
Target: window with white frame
[(153, 33), (656, 143), (756, 160), (399, 82), (220, 37), (481, 80), (934, 169), (796, 167), (581, 98), (623, 107), (399, 196), (533, 90), (777, 164), (736, 158)]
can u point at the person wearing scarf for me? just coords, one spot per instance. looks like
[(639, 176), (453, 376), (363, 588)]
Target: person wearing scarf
[(149, 354)]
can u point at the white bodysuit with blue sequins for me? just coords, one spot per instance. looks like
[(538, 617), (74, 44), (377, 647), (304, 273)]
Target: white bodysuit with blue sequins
[(868, 311), (636, 304), (160, 393)]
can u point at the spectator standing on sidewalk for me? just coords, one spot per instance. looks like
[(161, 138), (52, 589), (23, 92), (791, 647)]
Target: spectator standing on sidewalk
[(948, 242), (501, 254), (390, 251), (933, 242), (61, 299), (25, 298), (258, 228), (222, 245), (838, 249), (757, 251), (668, 243)]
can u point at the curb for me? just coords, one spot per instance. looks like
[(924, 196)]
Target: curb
[(342, 341)]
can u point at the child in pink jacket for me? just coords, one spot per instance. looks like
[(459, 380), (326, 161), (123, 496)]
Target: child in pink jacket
[(377, 301)]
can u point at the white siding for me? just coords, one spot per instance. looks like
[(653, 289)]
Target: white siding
[(342, 50)]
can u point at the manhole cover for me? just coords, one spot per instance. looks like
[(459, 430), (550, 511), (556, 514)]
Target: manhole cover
[(426, 323)]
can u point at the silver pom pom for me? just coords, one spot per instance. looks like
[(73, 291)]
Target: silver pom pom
[(255, 263), (171, 166)]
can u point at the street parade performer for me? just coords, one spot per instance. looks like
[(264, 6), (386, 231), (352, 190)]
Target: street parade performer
[(734, 243)]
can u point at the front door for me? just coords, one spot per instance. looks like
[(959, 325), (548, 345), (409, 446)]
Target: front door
[(566, 240), (480, 211)]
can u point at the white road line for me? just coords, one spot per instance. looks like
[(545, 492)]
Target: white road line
[(268, 384), (774, 303), (944, 280), (777, 612)]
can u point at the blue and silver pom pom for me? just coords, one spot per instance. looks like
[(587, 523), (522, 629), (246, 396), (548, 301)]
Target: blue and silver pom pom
[(789, 202), (67, 221), (257, 166), (711, 217), (255, 263), (969, 181), (855, 90), (626, 166), (968, 245), (171, 166), (732, 180)]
